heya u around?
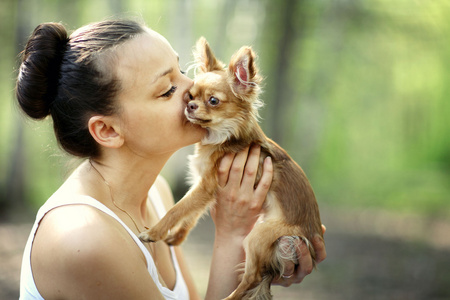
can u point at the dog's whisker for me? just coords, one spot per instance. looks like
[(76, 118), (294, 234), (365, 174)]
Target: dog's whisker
[(192, 66)]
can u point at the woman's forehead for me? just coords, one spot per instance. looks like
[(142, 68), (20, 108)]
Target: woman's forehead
[(145, 48), (144, 58)]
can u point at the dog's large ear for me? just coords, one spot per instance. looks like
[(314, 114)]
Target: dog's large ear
[(204, 57), (243, 74)]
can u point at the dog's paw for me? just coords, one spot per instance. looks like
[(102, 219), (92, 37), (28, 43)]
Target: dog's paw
[(145, 237), (177, 237), (150, 236)]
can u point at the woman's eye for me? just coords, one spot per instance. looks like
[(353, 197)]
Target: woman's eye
[(213, 101), (169, 92), (182, 72)]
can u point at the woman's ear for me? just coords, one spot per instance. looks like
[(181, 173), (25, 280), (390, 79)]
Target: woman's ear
[(105, 131)]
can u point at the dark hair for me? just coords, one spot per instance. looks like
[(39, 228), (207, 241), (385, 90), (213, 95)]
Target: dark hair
[(71, 78)]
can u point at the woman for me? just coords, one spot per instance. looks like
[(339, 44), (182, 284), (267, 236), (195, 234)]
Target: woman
[(116, 95)]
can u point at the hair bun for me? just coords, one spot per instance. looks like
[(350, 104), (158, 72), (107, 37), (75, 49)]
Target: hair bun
[(37, 83)]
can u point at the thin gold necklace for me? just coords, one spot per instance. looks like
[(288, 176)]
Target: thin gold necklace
[(112, 198)]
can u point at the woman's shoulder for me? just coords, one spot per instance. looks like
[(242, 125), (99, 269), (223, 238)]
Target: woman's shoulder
[(75, 215), (80, 249), (80, 230)]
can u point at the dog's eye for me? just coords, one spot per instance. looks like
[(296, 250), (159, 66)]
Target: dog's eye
[(213, 101)]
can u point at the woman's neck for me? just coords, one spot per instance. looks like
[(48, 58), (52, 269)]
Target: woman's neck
[(118, 182), (131, 179)]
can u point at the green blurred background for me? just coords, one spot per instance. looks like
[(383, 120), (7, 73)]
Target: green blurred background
[(356, 91)]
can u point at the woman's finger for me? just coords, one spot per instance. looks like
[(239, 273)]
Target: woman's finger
[(286, 279), (237, 167), (289, 251), (266, 179), (319, 248), (224, 169), (305, 266), (251, 167)]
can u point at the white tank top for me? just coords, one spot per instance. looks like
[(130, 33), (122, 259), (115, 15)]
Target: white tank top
[(28, 289)]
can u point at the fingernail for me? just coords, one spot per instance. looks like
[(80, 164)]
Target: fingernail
[(268, 160)]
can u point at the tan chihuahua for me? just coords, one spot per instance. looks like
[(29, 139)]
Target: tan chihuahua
[(225, 102)]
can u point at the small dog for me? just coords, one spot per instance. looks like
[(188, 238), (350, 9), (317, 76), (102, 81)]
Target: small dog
[(225, 102)]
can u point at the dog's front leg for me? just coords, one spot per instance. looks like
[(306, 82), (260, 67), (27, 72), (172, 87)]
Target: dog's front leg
[(181, 218)]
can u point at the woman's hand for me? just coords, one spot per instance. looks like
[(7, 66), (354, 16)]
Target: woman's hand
[(296, 269), (239, 201), (238, 205)]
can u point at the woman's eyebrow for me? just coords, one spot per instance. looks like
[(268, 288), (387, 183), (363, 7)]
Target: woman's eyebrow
[(163, 74), (170, 70)]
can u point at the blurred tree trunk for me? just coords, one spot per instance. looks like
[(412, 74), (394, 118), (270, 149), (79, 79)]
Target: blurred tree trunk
[(15, 196), (221, 34), (181, 30), (283, 29)]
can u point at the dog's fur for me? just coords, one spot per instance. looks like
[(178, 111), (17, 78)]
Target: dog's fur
[(225, 102)]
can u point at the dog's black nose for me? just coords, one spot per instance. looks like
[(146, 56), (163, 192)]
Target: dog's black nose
[(192, 106)]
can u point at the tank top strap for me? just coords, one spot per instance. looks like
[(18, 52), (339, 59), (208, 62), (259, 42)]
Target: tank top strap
[(87, 200), (28, 287), (156, 200), (181, 291)]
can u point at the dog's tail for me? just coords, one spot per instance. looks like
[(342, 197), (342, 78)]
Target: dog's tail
[(261, 291)]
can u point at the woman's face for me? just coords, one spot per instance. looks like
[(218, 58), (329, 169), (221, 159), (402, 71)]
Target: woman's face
[(153, 97)]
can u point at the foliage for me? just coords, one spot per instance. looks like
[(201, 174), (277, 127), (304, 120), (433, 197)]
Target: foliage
[(355, 91)]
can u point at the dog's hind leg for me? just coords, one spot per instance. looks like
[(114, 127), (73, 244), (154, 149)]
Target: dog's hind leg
[(262, 262)]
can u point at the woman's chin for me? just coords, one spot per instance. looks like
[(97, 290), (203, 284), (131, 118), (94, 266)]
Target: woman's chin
[(197, 132)]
